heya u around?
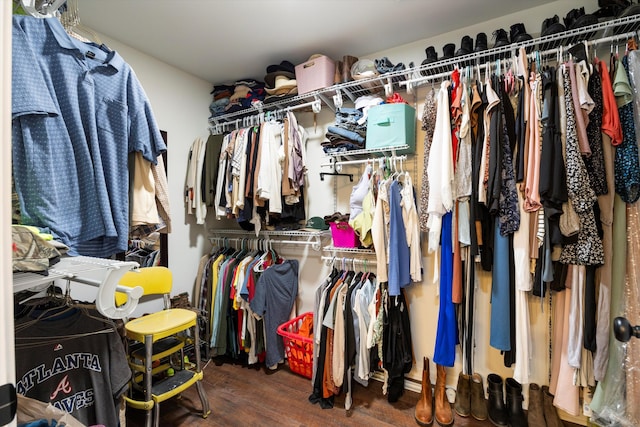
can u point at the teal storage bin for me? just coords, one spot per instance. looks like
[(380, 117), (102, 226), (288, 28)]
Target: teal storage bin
[(391, 125)]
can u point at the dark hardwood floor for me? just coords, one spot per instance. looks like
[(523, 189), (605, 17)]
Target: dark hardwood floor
[(242, 396)]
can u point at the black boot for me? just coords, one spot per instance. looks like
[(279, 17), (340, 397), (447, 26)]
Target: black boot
[(519, 34), (501, 38), (497, 410), (448, 51), (514, 399), (577, 18), (466, 46), (481, 42), (432, 56), (552, 26)]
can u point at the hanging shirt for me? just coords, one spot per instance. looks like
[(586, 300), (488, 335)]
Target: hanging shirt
[(440, 169), (399, 254), (78, 110)]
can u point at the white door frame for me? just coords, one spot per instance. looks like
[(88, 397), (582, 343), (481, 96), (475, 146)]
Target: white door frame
[(7, 359)]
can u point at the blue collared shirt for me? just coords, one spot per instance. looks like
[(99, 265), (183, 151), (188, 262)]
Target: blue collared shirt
[(78, 110)]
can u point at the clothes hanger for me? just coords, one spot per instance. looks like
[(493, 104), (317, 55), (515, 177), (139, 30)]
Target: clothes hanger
[(336, 172), (42, 9), (70, 20)]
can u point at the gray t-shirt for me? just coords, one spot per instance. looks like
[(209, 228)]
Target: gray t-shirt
[(276, 292)]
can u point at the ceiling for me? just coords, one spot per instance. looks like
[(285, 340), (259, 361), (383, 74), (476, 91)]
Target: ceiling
[(226, 40)]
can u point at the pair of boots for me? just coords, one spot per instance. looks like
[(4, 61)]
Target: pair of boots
[(505, 411), (466, 44), (470, 397), (424, 412), (517, 33), (343, 69), (541, 412)]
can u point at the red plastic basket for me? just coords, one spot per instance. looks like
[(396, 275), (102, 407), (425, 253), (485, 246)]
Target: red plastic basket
[(298, 348)]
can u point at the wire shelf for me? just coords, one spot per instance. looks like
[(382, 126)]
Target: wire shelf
[(360, 251), (307, 238), (354, 89), (365, 151)]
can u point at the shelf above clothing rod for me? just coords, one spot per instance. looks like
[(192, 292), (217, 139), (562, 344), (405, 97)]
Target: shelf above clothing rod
[(401, 158), (307, 238)]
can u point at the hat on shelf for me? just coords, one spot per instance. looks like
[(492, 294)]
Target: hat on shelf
[(364, 69), (284, 68), (315, 224), (283, 85)]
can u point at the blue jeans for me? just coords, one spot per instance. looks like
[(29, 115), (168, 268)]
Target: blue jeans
[(348, 115), (348, 134)]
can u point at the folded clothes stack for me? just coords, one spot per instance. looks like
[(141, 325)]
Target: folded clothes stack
[(347, 133), (230, 98)]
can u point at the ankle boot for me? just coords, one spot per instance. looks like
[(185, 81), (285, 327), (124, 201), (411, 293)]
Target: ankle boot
[(432, 56), (519, 34), (347, 63), (478, 402), (535, 413), (462, 405), (424, 408), (444, 414), (550, 413), (466, 46), (337, 76), (552, 26), (497, 410), (448, 50), (514, 400), (501, 38), (481, 42)]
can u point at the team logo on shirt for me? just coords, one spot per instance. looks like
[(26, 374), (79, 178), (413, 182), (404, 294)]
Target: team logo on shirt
[(57, 347), (63, 386)]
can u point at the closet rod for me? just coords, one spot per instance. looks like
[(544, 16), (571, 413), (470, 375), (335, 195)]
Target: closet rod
[(315, 105), (332, 259), (313, 239), (360, 161)]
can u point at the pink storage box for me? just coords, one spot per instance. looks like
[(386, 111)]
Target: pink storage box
[(343, 235), (316, 73)]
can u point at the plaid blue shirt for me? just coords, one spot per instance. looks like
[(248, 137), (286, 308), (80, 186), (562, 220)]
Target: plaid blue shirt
[(78, 111)]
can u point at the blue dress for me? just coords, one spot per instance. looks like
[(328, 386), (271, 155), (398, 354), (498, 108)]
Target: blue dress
[(446, 334), (500, 332)]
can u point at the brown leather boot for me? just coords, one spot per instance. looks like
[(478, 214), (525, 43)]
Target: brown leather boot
[(535, 412), (462, 405), (347, 63), (337, 75), (478, 402), (550, 412), (444, 413), (424, 408)]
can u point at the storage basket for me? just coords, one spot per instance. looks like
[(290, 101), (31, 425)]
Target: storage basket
[(343, 235), (298, 348)]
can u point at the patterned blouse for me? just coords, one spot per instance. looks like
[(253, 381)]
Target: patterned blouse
[(588, 249)]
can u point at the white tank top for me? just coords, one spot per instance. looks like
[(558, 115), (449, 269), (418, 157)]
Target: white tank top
[(359, 191)]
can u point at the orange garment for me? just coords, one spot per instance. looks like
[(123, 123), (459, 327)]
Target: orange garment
[(610, 117), (328, 386)]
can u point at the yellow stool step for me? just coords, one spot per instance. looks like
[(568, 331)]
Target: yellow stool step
[(160, 324)]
